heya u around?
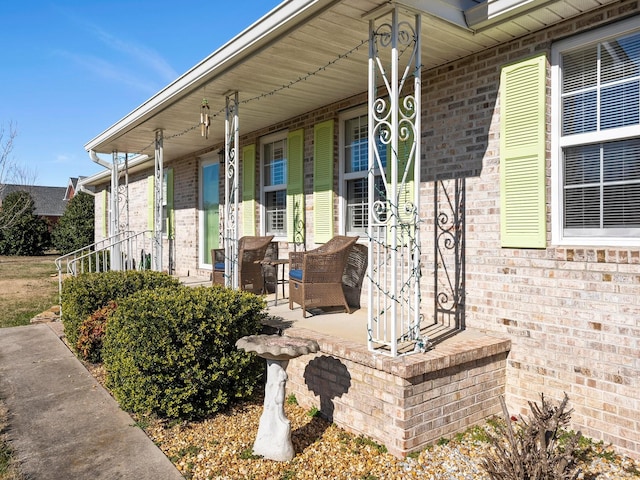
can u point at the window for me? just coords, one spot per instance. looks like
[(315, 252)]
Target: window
[(274, 185), (209, 206), (355, 161), (596, 163)]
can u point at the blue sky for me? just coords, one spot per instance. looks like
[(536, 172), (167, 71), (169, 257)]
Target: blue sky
[(69, 69)]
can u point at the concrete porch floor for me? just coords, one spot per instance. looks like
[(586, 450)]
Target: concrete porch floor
[(404, 402), (337, 323)]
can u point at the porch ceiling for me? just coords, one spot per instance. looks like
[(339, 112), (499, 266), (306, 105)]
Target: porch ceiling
[(308, 53)]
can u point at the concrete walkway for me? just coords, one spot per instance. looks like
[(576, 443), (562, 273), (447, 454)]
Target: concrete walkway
[(62, 423)]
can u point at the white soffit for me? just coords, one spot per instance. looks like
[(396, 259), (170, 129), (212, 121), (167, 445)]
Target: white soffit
[(306, 54)]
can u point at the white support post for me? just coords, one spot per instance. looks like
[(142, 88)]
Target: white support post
[(231, 195), (373, 325), (115, 255), (394, 157), (393, 205), (417, 89), (157, 201)]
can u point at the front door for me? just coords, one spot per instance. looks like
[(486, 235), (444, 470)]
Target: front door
[(209, 210)]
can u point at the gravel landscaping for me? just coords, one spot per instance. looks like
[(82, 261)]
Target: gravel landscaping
[(220, 448)]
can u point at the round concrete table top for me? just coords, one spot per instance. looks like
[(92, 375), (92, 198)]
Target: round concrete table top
[(275, 347)]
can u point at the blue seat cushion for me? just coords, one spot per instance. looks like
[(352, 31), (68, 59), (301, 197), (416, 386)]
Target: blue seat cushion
[(296, 274), (219, 266)]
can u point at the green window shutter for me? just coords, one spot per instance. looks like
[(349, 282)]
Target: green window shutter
[(248, 190), (323, 181), (150, 198), (105, 212), (522, 154), (295, 187), (170, 212)]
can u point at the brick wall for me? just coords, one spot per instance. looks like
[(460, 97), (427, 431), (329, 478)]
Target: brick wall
[(187, 227), (571, 313), (403, 403)]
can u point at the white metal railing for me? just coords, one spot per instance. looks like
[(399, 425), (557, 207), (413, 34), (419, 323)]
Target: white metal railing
[(123, 251)]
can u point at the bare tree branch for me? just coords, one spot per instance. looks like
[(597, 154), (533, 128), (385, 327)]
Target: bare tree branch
[(12, 173)]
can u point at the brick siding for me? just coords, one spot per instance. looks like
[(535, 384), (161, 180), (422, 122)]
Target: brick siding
[(571, 313), (404, 403)]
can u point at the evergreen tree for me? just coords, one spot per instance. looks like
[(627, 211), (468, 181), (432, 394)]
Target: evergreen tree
[(75, 229), (23, 234)]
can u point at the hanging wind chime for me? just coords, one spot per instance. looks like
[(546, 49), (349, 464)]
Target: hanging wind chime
[(204, 118)]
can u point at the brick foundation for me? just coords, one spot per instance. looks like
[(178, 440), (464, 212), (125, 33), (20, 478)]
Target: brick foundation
[(404, 403)]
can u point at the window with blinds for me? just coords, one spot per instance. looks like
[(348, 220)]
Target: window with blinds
[(274, 187), (355, 155), (600, 138)]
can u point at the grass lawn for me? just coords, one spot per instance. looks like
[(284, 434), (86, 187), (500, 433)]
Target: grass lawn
[(28, 286)]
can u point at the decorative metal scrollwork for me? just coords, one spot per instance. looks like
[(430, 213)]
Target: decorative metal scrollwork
[(394, 153), (449, 252)]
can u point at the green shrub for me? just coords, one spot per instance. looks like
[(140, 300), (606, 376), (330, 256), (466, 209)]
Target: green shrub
[(75, 229), (22, 232), (172, 352), (84, 294), (92, 330)]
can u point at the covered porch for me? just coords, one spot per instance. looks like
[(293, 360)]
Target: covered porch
[(372, 54), (277, 76), (405, 402)]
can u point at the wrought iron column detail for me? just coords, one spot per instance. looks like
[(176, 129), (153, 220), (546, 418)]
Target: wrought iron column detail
[(123, 196), (114, 220), (449, 271), (231, 197), (394, 321), (158, 199)]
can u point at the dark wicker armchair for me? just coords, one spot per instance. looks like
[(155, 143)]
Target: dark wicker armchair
[(315, 276), (250, 251)]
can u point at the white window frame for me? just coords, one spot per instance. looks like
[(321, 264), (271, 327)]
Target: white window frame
[(268, 139), (558, 142), (343, 118)]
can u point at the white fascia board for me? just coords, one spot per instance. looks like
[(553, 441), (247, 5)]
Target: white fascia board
[(451, 11), (491, 12), (283, 16), (138, 162)]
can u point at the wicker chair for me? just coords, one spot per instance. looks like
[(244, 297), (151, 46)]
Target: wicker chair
[(353, 275), (250, 251), (315, 276)]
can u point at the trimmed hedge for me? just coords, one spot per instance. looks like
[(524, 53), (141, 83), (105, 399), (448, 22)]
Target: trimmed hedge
[(84, 294), (172, 351)]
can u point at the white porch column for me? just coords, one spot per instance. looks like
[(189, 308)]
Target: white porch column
[(231, 198), (158, 199), (394, 156), (115, 254)]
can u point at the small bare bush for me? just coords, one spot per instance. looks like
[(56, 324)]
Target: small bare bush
[(532, 451)]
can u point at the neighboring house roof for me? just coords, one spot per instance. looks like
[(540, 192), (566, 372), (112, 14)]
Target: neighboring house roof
[(305, 54), (72, 188), (49, 201)]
